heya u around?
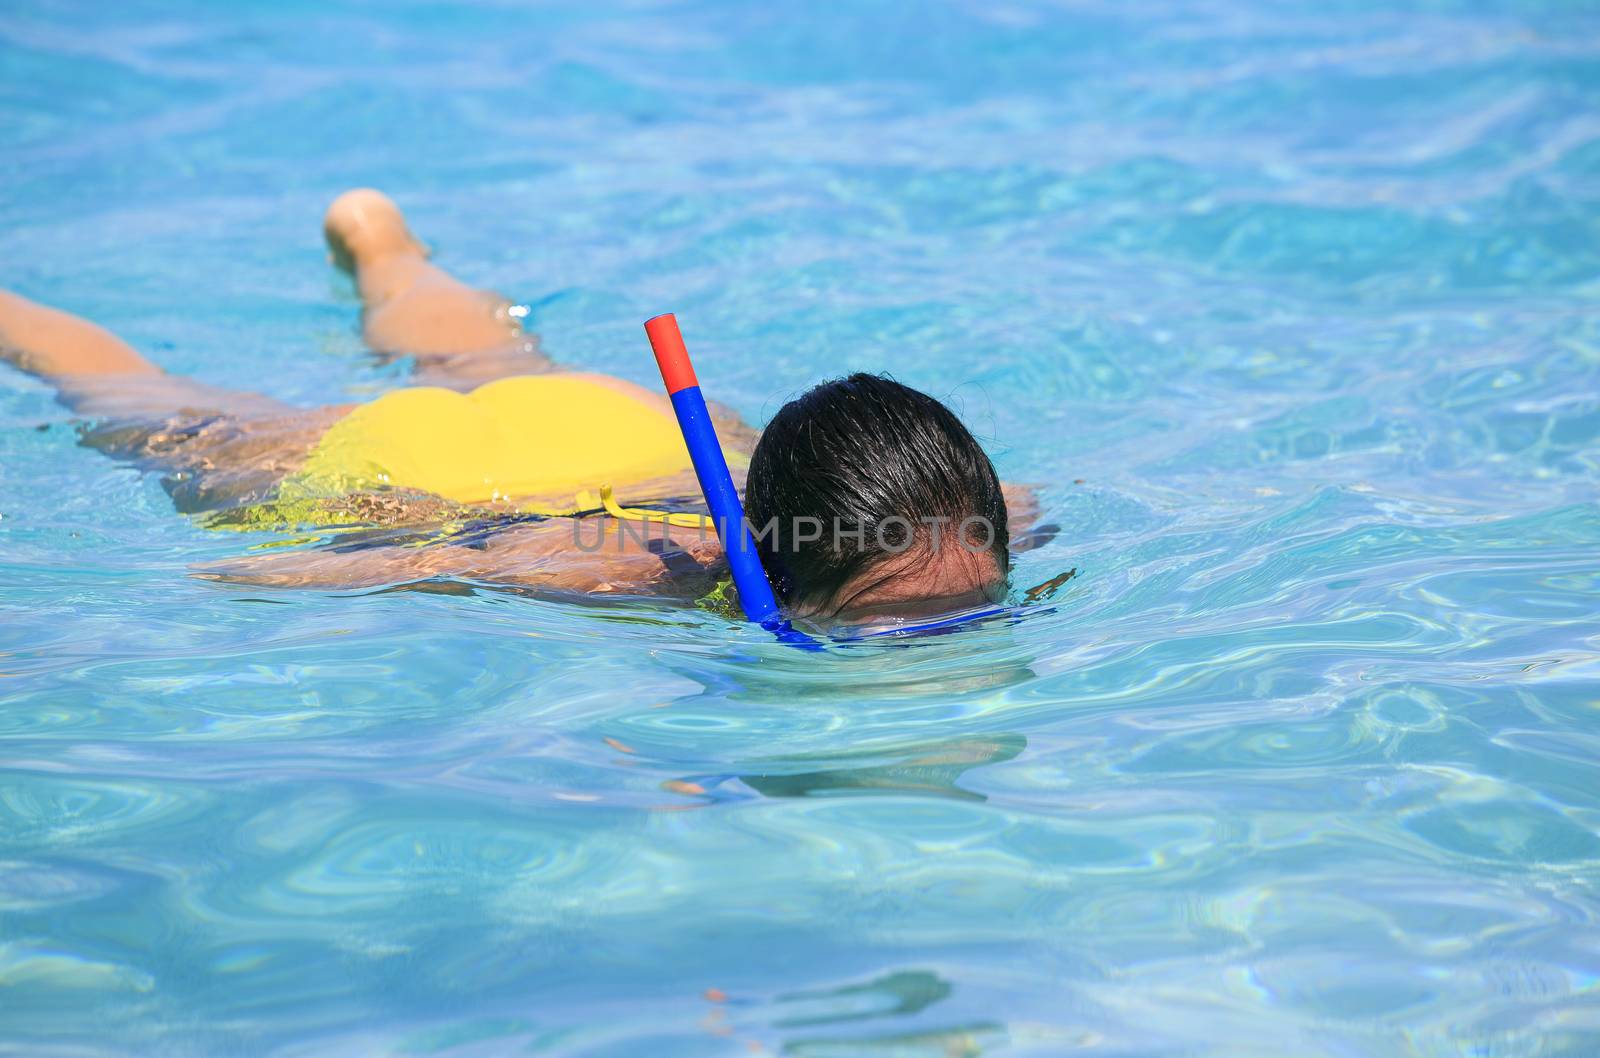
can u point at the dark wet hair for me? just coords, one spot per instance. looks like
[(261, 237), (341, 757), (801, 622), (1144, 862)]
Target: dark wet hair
[(867, 454)]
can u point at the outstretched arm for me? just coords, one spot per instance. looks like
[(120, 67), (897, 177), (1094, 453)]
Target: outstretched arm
[(588, 556)]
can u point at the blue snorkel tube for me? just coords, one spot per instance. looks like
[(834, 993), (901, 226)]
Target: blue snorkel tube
[(711, 467)]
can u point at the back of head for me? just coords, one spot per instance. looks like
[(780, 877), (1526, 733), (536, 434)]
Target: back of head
[(863, 476)]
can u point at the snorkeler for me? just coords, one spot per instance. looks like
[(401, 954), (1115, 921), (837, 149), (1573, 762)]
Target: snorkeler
[(489, 470)]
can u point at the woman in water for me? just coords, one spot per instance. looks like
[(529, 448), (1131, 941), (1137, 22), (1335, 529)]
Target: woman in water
[(482, 473)]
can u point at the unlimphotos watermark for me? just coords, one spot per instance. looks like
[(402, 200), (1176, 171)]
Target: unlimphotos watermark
[(891, 536)]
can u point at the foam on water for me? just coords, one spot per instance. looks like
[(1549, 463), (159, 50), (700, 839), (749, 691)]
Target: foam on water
[(1288, 310)]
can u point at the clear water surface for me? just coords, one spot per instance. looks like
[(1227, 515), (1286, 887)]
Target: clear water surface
[(1290, 310)]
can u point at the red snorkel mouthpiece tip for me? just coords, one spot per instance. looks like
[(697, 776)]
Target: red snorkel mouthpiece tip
[(673, 359)]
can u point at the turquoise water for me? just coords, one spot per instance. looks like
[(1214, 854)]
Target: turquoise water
[(1289, 309)]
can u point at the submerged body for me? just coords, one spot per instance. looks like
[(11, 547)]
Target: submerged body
[(490, 470), (495, 435)]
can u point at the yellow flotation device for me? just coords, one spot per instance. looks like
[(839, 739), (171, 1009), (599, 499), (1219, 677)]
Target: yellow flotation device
[(526, 436)]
